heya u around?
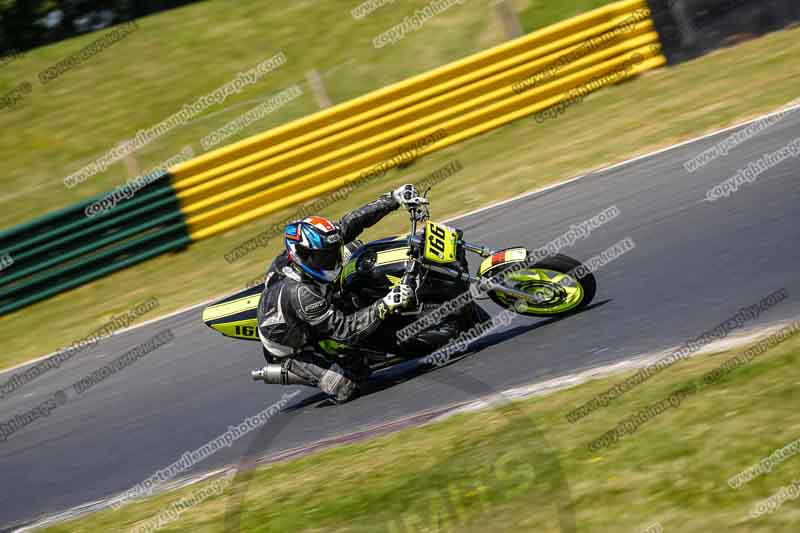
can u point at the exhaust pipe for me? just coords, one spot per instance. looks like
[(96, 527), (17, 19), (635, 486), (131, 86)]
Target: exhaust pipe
[(277, 375)]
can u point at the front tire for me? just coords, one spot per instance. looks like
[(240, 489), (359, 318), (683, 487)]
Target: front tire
[(562, 284)]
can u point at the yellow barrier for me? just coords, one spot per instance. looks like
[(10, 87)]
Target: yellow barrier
[(229, 176), (243, 211), (327, 150), (370, 102), (375, 149)]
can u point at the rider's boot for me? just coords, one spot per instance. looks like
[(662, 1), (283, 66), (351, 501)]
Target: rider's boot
[(335, 381)]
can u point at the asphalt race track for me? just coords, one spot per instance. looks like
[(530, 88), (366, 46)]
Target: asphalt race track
[(695, 264)]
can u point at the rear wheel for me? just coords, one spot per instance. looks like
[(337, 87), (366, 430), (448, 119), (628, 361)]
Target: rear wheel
[(559, 284)]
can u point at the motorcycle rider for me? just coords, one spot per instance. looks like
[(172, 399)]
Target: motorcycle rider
[(296, 309)]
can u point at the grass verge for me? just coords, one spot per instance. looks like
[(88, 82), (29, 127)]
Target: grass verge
[(487, 471), (652, 111), (536, 14)]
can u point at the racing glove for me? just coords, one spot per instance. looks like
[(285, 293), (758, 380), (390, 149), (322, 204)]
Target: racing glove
[(405, 194), (400, 296)]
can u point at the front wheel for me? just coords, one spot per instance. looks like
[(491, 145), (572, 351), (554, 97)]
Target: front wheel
[(559, 283)]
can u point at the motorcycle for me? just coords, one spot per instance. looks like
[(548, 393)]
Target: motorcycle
[(432, 261)]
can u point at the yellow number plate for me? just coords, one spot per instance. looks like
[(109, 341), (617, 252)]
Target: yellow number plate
[(440, 243)]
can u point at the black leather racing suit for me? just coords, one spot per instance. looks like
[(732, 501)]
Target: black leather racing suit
[(296, 312)]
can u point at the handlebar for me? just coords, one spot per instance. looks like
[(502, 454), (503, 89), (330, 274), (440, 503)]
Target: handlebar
[(418, 211)]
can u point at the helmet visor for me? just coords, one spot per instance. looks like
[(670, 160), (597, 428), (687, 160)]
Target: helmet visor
[(328, 259)]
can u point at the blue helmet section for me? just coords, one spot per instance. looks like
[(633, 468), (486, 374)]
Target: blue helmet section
[(313, 233)]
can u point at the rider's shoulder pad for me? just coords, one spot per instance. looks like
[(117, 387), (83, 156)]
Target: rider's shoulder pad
[(309, 301)]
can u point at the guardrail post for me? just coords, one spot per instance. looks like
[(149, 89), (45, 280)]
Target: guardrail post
[(132, 165), (683, 19), (508, 16), (318, 88)]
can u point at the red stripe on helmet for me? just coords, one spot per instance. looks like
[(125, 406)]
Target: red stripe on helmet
[(324, 222)]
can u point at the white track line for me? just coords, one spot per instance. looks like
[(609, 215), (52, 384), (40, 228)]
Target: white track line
[(794, 105), (104, 503), (791, 106), (569, 381)]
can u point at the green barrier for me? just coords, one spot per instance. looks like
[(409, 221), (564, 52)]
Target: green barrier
[(178, 243), (73, 219), (68, 248), (50, 240), (18, 273)]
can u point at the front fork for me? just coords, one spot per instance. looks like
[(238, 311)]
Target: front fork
[(413, 266)]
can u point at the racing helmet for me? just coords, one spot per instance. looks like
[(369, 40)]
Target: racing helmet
[(315, 244)]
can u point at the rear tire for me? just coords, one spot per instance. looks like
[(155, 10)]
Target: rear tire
[(564, 283)]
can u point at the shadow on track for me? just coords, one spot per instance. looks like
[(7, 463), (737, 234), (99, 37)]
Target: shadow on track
[(402, 372)]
